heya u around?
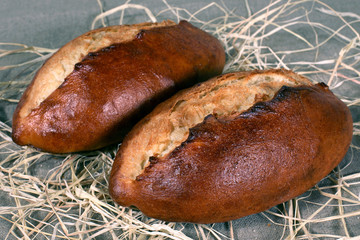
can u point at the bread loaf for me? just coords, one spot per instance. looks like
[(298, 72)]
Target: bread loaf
[(100, 83), (232, 146)]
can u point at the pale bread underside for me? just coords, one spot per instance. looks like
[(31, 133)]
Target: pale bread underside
[(54, 71), (168, 125)]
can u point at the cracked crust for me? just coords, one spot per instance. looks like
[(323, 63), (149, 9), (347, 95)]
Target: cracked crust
[(235, 145), (168, 125), (89, 93), (54, 71)]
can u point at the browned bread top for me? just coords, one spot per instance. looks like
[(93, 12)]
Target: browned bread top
[(123, 71), (232, 146), (54, 71)]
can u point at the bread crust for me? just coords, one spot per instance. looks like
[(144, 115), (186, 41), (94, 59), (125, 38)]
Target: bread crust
[(121, 72), (239, 164)]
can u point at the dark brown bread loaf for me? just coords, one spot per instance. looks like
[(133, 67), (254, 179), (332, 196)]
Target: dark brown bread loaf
[(101, 82), (233, 146)]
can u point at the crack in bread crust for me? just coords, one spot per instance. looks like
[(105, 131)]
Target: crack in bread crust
[(61, 64), (168, 125)]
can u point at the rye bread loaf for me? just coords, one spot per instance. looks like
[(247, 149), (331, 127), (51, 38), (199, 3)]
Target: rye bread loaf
[(232, 146), (92, 89)]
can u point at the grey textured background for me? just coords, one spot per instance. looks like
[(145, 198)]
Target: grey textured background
[(50, 23)]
